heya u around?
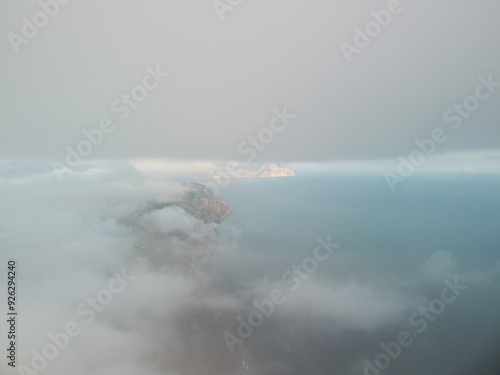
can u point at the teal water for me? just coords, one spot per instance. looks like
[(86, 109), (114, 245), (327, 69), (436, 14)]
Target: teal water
[(386, 238), (459, 214)]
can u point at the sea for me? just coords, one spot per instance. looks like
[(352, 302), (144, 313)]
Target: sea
[(405, 245)]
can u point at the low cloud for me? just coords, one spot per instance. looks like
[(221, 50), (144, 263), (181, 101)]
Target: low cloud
[(187, 282)]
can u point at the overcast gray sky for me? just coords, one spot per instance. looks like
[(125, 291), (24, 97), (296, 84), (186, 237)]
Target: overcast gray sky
[(226, 77)]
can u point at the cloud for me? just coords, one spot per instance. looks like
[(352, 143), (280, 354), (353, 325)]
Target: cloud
[(226, 78), (71, 239), (349, 305)]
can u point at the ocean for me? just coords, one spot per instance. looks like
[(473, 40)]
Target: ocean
[(457, 213), (397, 249)]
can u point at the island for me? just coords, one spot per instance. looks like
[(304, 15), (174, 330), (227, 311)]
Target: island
[(203, 204), (244, 170)]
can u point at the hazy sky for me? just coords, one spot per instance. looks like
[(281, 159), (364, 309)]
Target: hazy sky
[(226, 77)]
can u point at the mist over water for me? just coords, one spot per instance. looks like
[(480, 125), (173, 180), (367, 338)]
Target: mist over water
[(399, 256), (397, 249)]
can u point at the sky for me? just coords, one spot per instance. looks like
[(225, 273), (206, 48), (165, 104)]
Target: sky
[(231, 69)]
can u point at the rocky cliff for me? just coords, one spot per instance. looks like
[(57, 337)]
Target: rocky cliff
[(273, 170), (200, 202)]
